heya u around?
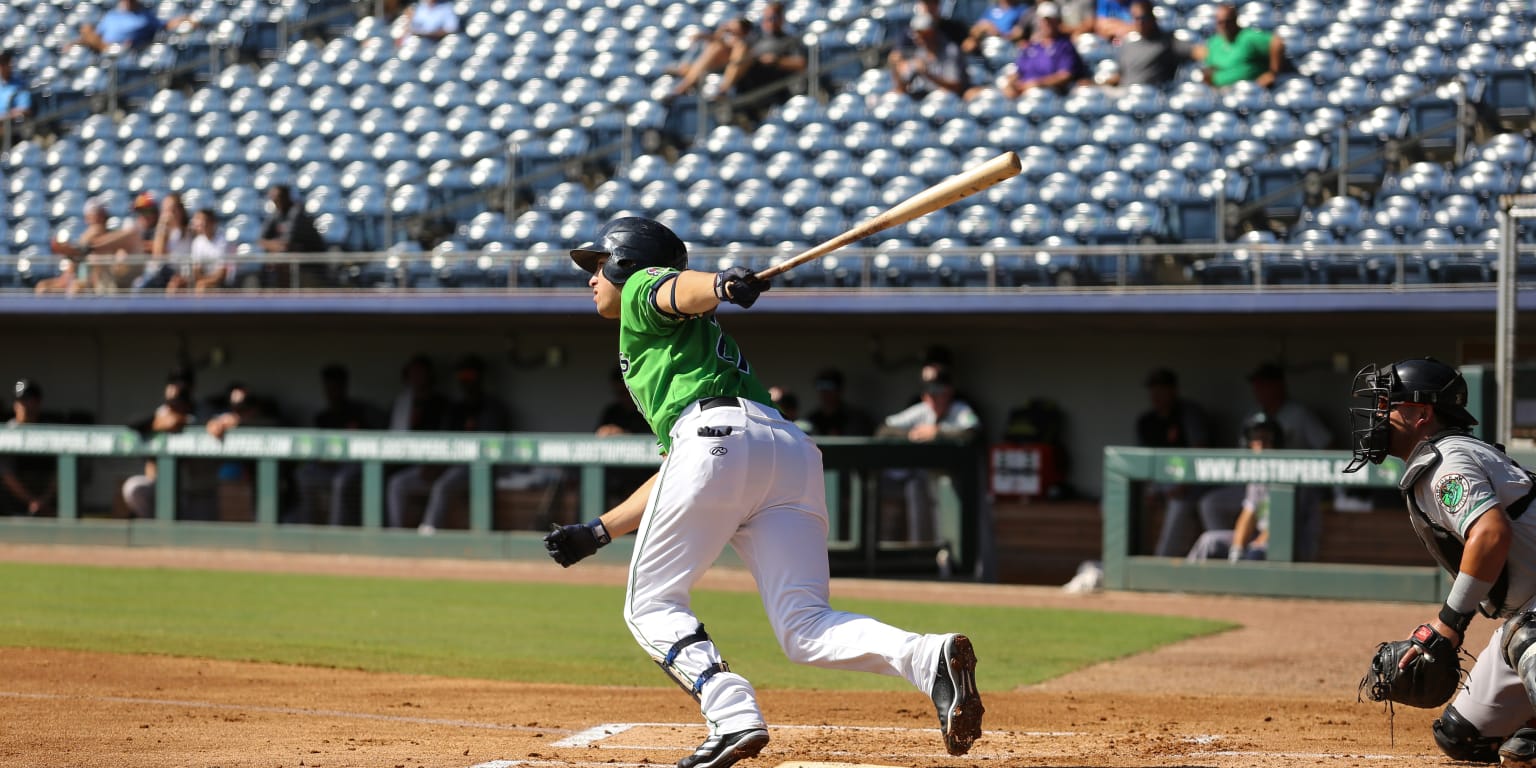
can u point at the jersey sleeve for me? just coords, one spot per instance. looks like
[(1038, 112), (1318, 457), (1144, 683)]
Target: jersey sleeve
[(640, 313), (1462, 492), (906, 418)]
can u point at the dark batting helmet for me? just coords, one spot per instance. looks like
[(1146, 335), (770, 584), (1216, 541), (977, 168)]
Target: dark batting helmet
[(1426, 381), (631, 244)]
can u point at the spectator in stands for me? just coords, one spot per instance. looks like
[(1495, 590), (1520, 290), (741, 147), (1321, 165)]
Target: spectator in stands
[(110, 268), (29, 483), (1004, 18), (1249, 537), (1147, 56), (475, 411), (940, 415), (1077, 17), (287, 229), (952, 28), (833, 416), (98, 259), (621, 416), (169, 246), (1049, 60), (929, 61), (328, 485), (1237, 53), (1172, 422), (432, 19), (207, 266), (1299, 429), (753, 59), (15, 98), (130, 25), (95, 236), (175, 413), (1109, 19)]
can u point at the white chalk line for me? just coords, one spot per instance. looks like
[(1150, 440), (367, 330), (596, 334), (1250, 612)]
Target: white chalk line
[(597, 733), (284, 711)]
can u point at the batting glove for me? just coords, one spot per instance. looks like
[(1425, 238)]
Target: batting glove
[(740, 286), (568, 544)]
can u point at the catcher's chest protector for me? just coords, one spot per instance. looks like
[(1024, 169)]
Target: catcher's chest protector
[(1443, 545)]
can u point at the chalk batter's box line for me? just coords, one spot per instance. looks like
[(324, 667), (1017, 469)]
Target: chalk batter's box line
[(591, 736)]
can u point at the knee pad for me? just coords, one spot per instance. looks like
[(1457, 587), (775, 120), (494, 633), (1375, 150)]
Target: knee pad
[(668, 664), (1519, 638), (1460, 740)]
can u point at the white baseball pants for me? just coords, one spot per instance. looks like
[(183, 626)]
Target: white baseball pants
[(760, 489)]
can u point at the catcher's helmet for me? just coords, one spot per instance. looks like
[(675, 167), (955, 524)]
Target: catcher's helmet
[(1427, 381), (631, 244)]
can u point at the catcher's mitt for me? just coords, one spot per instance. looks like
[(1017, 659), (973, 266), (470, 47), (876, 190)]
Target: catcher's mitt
[(1427, 682)]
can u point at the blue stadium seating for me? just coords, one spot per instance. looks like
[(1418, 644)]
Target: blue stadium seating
[(375, 134)]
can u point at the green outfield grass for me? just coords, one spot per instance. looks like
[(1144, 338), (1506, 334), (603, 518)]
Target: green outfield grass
[(506, 631)]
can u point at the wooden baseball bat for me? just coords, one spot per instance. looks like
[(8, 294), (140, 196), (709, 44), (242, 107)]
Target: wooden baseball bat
[(950, 190)]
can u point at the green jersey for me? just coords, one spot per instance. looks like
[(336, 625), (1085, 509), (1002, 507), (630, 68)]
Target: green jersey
[(671, 361), (1242, 58)]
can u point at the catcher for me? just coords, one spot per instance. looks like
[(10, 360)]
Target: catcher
[(1467, 502)]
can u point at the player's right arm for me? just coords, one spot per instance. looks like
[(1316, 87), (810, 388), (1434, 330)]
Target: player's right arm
[(569, 544), (693, 293), (625, 518)]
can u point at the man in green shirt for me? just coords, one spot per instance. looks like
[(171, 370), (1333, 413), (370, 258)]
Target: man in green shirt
[(1238, 53), (735, 472)]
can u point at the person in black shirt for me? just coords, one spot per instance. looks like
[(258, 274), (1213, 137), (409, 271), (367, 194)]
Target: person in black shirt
[(1172, 422), (326, 484), (288, 229), (833, 416), (622, 416), (28, 482)]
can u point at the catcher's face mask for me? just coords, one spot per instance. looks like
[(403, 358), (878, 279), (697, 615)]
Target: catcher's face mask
[(1370, 426)]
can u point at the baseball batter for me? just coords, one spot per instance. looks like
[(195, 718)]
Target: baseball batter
[(735, 472), (1467, 502)]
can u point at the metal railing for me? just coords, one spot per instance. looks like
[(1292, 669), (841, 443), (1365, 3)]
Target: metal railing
[(1142, 267)]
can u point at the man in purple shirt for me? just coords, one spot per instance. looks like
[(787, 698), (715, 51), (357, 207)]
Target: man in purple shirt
[(1049, 60)]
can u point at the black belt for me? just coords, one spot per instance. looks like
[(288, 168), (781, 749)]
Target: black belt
[(719, 402)]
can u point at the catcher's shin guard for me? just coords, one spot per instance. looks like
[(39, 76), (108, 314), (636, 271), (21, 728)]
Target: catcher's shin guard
[(668, 664), (1460, 740), (1519, 649)]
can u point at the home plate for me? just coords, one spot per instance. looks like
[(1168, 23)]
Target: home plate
[(810, 764)]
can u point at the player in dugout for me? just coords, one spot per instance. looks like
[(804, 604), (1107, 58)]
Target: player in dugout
[(735, 472)]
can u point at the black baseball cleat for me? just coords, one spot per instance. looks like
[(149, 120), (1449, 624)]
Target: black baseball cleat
[(723, 750), (955, 695), (1519, 751)]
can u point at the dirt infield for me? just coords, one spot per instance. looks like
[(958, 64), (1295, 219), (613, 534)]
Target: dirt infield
[(1278, 692)]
